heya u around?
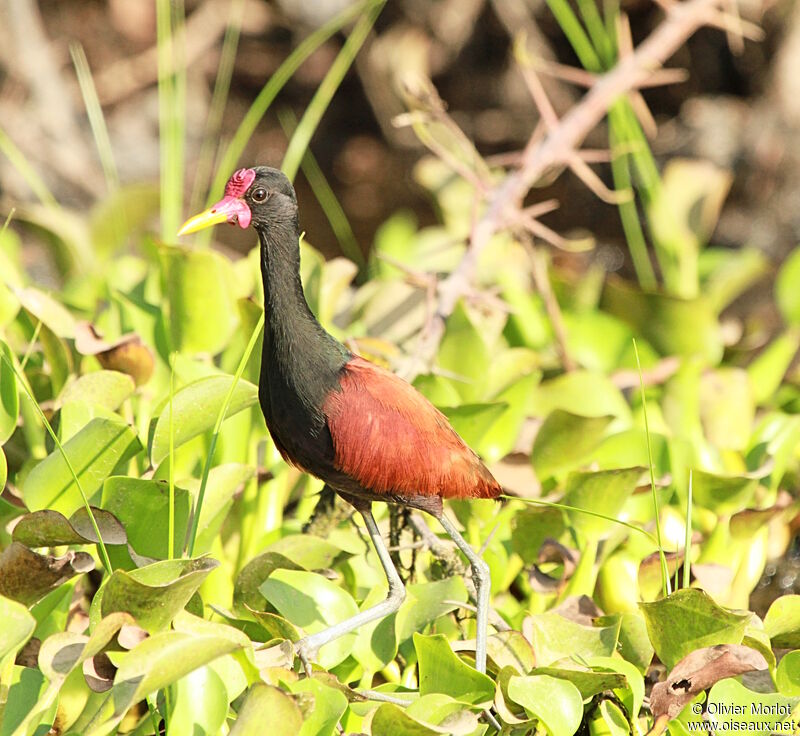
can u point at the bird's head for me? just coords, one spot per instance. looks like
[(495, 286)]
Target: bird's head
[(259, 195)]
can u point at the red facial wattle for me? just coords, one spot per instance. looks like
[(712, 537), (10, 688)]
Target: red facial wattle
[(232, 205)]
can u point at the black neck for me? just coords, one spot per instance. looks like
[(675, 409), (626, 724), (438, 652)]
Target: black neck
[(299, 356)]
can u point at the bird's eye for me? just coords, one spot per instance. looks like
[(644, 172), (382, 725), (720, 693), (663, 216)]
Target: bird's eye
[(259, 195)]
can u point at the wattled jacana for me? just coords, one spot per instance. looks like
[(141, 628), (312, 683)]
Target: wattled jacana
[(367, 433)]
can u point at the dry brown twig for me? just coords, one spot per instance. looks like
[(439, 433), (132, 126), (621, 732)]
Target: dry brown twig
[(558, 146)]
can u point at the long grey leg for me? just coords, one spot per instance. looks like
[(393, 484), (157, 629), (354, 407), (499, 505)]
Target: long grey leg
[(308, 646), (482, 578)]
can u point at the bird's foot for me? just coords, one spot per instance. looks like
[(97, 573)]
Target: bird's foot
[(305, 652)]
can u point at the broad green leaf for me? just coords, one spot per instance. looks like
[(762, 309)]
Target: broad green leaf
[(3, 468), (308, 551), (48, 310), (629, 448), (425, 602), (95, 452), (589, 683), (9, 396), (376, 642), (441, 671), (511, 649), (758, 713), (439, 390), (201, 287), (266, 704), (142, 506), (673, 326), (632, 693), (782, 622), (767, 369), (196, 408), (156, 593), (17, 626), (392, 240), (614, 721), (583, 393), (688, 620), (104, 388), (124, 212), (27, 577), (246, 593), (726, 273), (634, 643), (199, 703), (392, 720), (462, 338), (556, 703), (727, 407), (329, 705), (23, 709), (502, 435), (531, 526), (596, 340), (473, 421), (555, 637), (787, 678), (564, 440), (722, 494), (47, 528), (314, 603), (604, 492), (448, 715), (787, 293)]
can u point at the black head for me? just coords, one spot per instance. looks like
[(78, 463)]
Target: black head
[(259, 195)]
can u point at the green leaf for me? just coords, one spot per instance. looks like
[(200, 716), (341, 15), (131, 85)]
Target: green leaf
[(446, 714), (583, 393), (156, 593), (17, 626), (142, 506), (9, 396), (787, 295), (502, 435), (688, 620), (723, 494), (589, 683), (308, 551), (425, 602), (441, 671), (246, 594), (727, 408), (473, 421), (511, 649), (199, 703), (555, 637), (95, 452), (107, 389), (462, 338), (767, 369), (201, 287), (787, 678), (604, 492), (47, 310), (266, 704), (3, 468), (758, 713), (391, 720), (564, 440), (556, 703), (329, 705), (376, 642), (196, 407), (782, 622), (314, 603), (47, 528), (632, 693)]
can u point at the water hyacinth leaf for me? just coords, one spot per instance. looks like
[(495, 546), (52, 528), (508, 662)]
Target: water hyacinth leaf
[(727, 407), (589, 683), (462, 338), (132, 205), (156, 593), (107, 389), (18, 625), (142, 506), (437, 389), (308, 551), (246, 594), (27, 577), (502, 435), (583, 393), (787, 678), (329, 705), (47, 528), (223, 481), (786, 292), (531, 526), (629, 448), (9, 396), (564, 440), (22, 710), (613, 718), (274, 626), (604, 492), (687, 620), (758, 712), (376, 642), (782, 622), (631, 695), (199, 703), (511, 649), (201, 288), (3, 470), (556, 703), (313, 603), (425, 602), (267, 704), (474, 421), (442, 671), (673, 326), (446, 714), (596, 340), (766, 371), (392, 720), (196, 408), (47, 310), (554, 637), (723, 494), (95, 452)]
